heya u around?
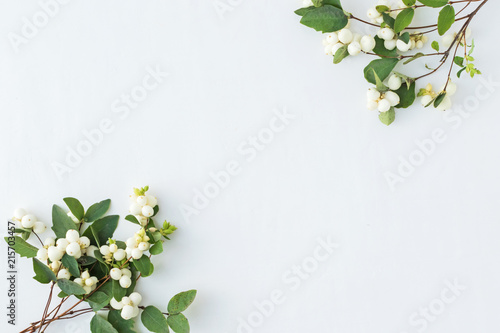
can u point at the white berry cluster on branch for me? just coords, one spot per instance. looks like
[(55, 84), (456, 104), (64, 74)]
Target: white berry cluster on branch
[(83, 259), (397, 40)]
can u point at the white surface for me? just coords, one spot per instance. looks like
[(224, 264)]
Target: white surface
[(323, 175)]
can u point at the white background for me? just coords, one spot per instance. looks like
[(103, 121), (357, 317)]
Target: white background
[(322, 176)]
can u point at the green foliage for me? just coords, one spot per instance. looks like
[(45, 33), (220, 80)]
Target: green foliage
[(143, 265), (409, 2), (101, 230), (181, 301), (75, 207), (340, 54), (388, 117), (381, 50), (406, 95), (178, 323), (97, 210), (154, 320), (70, 287), (120, 324), (404, 19), (71, 264), (446, 19), (434, 3), (43, 273), (157, 248), (61, 222), (325, 19), (382, 67), (100, 325), (23, 248), (439, 99), (435, 45), (118, 291)]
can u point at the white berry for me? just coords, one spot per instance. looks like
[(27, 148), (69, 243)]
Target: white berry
[(28, 221), (402, 46), (147, 211), (119, 254), (386, 33), (127, 312), (39, 227), (19, 213), (63, 274), (142, 200), (125, 281), (115, 273), (115, 304), (104, 250), (135, 208), (42, 254), (54, 253), (136, 298), (367, 43), (394, 82), (73, 249), (136, 253), (354, 49), (384, 105), (392, 97), (345, 36), (72, 236)]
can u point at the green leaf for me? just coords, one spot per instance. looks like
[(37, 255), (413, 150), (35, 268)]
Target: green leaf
[(132, 219), (340, 54), (86, 260), (98, 300), (405, 37), (389, 20), (118, 291), (388, 117), (409, 2), (303, 11), (154, 320), (403, 19), (157, 248), (381, 87), (434, 3), (102, 229), (415, 57), (23, 248), (61, 222), (43, 273), (181, 301), (406, 95), (459, 61), (334, 3), (461, 71), (178, 323), (71, 264), (143, 265), (325, 19), (100, 325), (446, 19), (439, 99), (120, 324), (97, 210), (70, 288), (381, 50), (435, 45), (75, 207), (382, 8), (383, 68), (101, 297)]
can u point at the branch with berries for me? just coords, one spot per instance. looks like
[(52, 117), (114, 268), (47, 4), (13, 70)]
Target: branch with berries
[(398, 42), (85, 263)]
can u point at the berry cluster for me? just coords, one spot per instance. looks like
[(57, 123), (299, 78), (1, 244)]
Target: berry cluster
[(354, 41), (395, 37), (129, 306), (28, 221), (88, 282), (73, 245), (142, 206)]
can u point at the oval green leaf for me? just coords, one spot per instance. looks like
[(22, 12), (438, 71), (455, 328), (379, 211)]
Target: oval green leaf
[(403, 19), (181, 301), (154, 320), (325, 19), (383, 67), (100, 325), (446, 19), (178, 323)]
